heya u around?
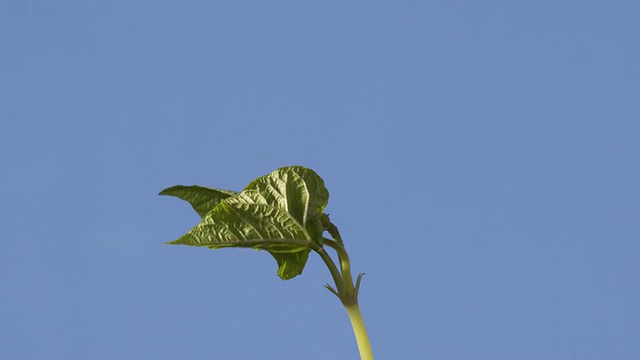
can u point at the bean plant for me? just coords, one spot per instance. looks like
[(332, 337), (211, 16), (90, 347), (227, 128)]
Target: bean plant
[(281, 213)]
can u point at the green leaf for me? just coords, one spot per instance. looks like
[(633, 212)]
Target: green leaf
[(297, 190), (279, 212), (291, 265), (258, 226), (202, 199)]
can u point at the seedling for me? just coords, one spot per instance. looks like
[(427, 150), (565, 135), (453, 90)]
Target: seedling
[(283, 214)]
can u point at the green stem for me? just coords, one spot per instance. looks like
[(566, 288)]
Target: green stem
[(335, 273), (360, 332), (348, 294), (345, 266)]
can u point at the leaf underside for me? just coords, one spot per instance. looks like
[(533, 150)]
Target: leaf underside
[(279, 212)]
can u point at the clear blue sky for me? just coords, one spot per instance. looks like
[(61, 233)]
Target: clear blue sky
[(482, 159)]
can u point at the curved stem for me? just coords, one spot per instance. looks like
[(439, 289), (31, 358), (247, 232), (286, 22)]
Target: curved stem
[(345, 266), (335, 273)]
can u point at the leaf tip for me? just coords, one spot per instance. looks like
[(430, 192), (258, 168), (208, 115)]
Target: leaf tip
[(166, 191), (287, 274)]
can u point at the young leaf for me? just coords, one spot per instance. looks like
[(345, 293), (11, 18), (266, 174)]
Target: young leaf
[(258, 226), (290, 265), (202, 199), (297, 190), (279, 212)]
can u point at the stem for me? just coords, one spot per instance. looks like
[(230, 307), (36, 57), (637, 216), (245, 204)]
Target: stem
[(335, 273), (348, 294), (360, 332), (345, 266)]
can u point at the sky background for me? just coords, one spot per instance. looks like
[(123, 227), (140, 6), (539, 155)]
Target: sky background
[(482, 159)]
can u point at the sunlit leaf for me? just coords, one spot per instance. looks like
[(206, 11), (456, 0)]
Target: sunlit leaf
[(279, 212), (202, 199), (257, 226), (297, 190)]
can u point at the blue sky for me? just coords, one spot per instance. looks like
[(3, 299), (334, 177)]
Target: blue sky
[(482, 160)]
